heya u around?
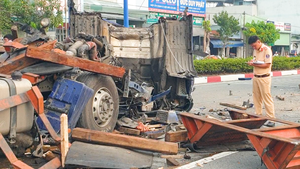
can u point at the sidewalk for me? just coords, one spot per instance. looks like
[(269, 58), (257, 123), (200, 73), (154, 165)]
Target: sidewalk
[(225, 78)]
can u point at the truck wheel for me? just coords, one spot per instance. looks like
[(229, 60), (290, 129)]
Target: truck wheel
[(101, 111)]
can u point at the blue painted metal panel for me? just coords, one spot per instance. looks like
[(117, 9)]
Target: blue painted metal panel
[(68, 97)]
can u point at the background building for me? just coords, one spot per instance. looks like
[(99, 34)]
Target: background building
[(283, 13)]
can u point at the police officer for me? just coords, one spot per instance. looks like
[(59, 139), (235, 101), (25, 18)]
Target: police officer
[(262, 63)]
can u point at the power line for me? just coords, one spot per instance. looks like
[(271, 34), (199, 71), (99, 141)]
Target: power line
[(141, 4)]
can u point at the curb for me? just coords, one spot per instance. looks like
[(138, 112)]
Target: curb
[(226, 78)]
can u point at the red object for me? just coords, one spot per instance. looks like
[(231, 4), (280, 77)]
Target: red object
[(142, 127), (278, 147)]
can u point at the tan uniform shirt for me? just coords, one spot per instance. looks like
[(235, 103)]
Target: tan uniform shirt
[(263, 54)]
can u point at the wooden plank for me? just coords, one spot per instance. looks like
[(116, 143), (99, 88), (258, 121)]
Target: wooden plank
[(233, 106), (64, 142), (124, 141), (21, 61), (130, 131), (172, 156), (176, 136), (84, 64), (172, 161)]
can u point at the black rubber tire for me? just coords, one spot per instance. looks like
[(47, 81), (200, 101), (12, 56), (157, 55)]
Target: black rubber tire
[(89, 116)]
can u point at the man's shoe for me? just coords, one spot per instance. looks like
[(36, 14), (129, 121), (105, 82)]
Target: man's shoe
[(270, 124)]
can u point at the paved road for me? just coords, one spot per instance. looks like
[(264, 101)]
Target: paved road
[(208, 96)]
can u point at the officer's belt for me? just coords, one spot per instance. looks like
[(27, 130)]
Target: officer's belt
[(264, 75)]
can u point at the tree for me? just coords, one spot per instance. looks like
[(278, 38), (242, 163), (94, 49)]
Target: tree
[(29, 12), (266, 32), (206, 40), (229, 26), (5, 13)]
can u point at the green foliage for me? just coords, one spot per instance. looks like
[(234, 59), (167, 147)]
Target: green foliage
[(267, 32), (206, 26), (239, 65), (229, 26), (5, 13), (30, 12)]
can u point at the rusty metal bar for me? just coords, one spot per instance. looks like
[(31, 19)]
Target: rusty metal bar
[(278, 147), (201, 132), (36, 98), (6, 150), (53, 164), (235, 114), (262, 152), (20, 165), (37, 101), (11, 156), (13, 101), (88, 65), (278, 128), (17, 63), (33, 78), (238, 128)]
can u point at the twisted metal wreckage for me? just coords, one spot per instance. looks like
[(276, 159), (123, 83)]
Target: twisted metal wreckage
[(104, 72), (100, 73)]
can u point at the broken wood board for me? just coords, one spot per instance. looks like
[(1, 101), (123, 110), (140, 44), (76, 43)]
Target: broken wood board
[(84, 64), (130, 131), (172, 156), (233, 106), (99, 156), (176, 136), (100, 137), (64, 142), (172, 161)]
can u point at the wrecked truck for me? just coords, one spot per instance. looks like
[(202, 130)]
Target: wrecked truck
[(158, 62)]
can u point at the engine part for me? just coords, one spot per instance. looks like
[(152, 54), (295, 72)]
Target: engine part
[(73, 49)]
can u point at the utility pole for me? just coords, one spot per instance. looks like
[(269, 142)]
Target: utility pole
[(126, 20), (66, 20), (244, 37)]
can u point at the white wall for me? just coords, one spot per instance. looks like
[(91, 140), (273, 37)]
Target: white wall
[(236, 11), (281, 11), (135, 4)]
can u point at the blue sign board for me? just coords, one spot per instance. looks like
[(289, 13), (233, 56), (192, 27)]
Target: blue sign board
[(195, 7), (163, 4)]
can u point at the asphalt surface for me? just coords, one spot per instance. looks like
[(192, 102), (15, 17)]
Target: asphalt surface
[(208, 96), (239, 160), (206, 100)]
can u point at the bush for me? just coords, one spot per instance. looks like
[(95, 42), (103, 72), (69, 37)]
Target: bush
[(239, 65)]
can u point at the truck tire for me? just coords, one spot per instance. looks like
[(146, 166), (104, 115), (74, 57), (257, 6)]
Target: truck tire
[(101, 111)]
